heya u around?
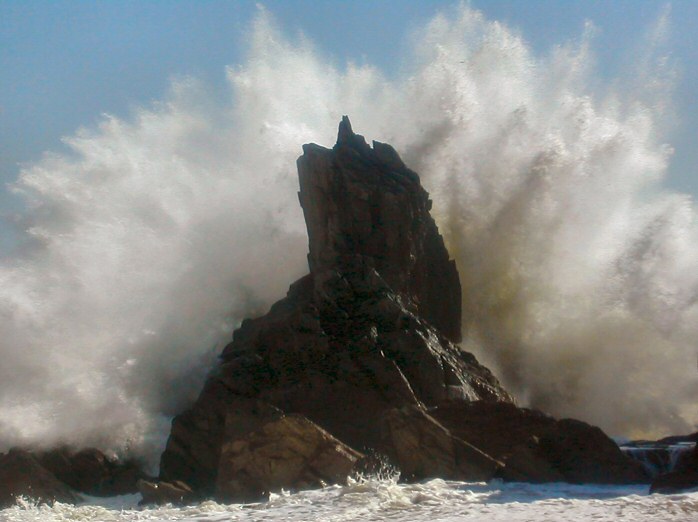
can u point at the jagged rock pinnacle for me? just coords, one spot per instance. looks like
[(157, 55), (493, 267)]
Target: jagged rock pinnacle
[(363, 202), (367, 331), (357, 356), (345, 134)]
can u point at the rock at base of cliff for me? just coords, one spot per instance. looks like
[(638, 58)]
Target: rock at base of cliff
[(585, 454), (90, 471), (289, 453), (538, 448), (422, 448), (683, 478), (21, 475), (675, 482)]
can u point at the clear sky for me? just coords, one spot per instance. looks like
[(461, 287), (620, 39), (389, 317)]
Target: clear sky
[(64, 63)]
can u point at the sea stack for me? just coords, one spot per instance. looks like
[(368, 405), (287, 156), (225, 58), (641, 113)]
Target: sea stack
[(361, 344), (359, 360)]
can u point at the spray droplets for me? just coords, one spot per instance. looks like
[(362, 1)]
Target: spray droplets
[(156, 235)]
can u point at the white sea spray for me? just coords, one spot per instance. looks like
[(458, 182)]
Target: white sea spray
[(157, 233), (435, 500)]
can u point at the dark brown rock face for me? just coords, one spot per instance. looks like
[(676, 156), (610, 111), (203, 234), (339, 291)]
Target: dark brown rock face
[(90, 471), (363, 202), (61, 473), (538, 448), (423, 448), (370, 329), (22, 475), (289, 450), (685, 476)]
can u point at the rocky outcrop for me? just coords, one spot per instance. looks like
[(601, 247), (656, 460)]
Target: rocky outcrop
[(675, 482), (361, 350), (369, 330), (22, 475), (363, 202)]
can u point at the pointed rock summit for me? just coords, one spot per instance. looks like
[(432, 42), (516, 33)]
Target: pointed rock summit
[(362, 205), (358, 359)]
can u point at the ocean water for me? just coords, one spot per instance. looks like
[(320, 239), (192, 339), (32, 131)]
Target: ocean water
[(436, 500)]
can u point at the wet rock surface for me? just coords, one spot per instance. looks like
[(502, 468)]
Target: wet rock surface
[(90, 471), (535, 447), (159, 493), (63, 474), (291, 450), (21, 474), (683, 474), (422, 448)]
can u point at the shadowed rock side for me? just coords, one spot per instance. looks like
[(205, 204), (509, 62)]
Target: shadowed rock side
[(22, 475), (366, 332), (364, 203), (63, 474), (363, 348), (535, 447)]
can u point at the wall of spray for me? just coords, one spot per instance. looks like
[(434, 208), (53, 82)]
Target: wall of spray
[(156, 234)]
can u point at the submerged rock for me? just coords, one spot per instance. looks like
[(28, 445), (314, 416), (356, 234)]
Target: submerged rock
[(675, 482), (62, 474)]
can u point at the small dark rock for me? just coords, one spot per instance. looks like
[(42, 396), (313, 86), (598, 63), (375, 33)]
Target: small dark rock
[(675, 482), (683, 478), (159, 493), (21, 474), (90, 471)]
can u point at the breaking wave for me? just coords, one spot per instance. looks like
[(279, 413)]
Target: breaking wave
[(154, 235)]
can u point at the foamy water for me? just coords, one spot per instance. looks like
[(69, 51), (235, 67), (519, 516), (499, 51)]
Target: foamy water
[(156, 234), (436, 500)]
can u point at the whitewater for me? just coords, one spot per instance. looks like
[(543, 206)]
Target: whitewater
[(436, 500), (149, 239)]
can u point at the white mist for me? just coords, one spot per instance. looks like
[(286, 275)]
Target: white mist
[(157, 234)]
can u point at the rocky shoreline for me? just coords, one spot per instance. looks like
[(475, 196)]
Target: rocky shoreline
[(357, 366)]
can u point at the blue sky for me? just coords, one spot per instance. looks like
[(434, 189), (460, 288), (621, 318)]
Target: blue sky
[(65, 63)]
